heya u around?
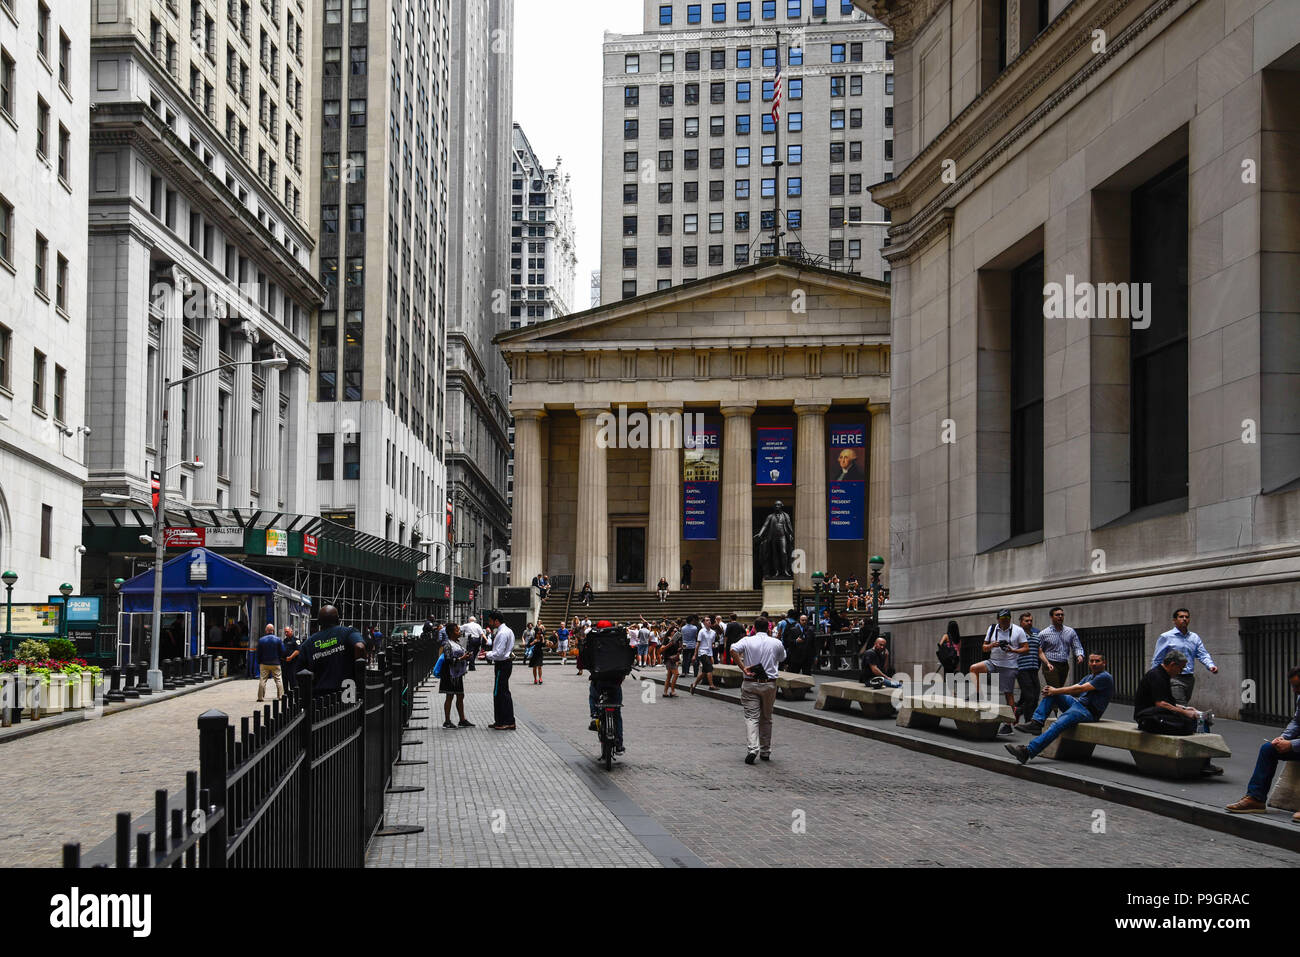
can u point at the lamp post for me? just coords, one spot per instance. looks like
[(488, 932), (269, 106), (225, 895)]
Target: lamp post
[(165, 386), (876, 565), (65, 590), (10, 579)]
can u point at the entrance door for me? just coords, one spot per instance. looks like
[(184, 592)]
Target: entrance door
[(629, 555)]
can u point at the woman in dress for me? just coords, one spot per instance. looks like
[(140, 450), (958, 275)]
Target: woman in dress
[(534, 650), (671, 649), (451, 683), (950, 649)]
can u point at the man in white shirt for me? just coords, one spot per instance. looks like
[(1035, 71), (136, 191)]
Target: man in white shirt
[(503, 646), (759, 655), (704, 651), (471, 633), (1005, 643)]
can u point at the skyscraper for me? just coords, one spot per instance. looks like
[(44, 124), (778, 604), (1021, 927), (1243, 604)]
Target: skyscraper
[(703, 164), (543, 251)]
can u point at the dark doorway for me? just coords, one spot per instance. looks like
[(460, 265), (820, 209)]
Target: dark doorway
[(760, 516), (629, 555)]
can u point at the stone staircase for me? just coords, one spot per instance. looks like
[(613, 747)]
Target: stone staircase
[(628, 605)]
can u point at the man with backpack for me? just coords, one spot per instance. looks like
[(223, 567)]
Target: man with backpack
[(1004, 643)]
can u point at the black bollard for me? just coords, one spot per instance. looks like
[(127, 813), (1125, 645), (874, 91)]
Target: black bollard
[(128, 683), (169, 674), (115, 686), (142, 680)]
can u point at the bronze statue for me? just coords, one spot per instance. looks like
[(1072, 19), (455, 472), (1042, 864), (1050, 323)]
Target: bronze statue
[(775, 544)]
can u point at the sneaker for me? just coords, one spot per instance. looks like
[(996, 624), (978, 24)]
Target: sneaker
[(448, 724), (1211, 770), (593, 726), (1019, 752), (766, 757), (1295, 818), (751, 758), (1248, 805), (1005, 729), (620, 750), (1030, 727), (467, 724)]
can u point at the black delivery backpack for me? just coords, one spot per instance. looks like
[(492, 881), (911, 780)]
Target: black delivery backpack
[(607, 654)]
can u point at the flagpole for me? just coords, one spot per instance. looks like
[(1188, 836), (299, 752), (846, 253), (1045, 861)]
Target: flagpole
[(776, 193)]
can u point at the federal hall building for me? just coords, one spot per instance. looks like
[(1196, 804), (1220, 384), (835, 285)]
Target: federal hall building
[(779, 372)]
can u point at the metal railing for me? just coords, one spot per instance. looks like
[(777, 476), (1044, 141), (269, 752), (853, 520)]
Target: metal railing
[(1270, 645), (302, 784), (1126, 659)]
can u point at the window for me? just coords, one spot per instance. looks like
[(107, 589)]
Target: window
[(742, 91), (837, 53), (855, 52), (356, 218), (769, 90), (719, 13), (42, 263), (632, 63), (359, 11), (330, 167), (629, 288), (769, 155), (329, 219), (6, 83), (837, 184), (324, 456), (717, 125), (794, 218), (769, 56), (742, 221), (715, 255), (742, 12), (794, 154), (767, 221), (855, 152), (795, 122), (629, 192), (631, 129), (691, 192), (692, 126), (693, 13), (666, 160), (61, 282), (742, 189), (330, 111), (795, 86), (855, 182), (43, 31), (837, 217), (690, 255), (1026, 451), (718, 92), (692, 97), (889, 116), (693, 61), (690, 159), (6, 345), (664, 256), (65, 61), (889, 84), (666, 128), (359, 61), (665, 63), (47, 531), (357, 112), (742, 125), (665, 225), (717, 59), (65, 142), (837, 249), (794, 186), (629, 257), (855, 84), (354, 275), (855, 119), (837, 119), (855, 249), (665, 15), (717, 158), (691, 223), (631, 96), (38, 380), (1158, 353), (715, 222), (767, 187), (742, 155), (837, 86), (837, 152), (60, 393), (796, 56), (819, 8), (42, 128), (630, 161), (666, 94), (769, 9), (665, 192), (742, 58), (793, 9)]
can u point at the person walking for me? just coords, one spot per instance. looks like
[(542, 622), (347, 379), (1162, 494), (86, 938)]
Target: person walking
[(1189, 643), (472, 637), (1027, 675), (1056, 643), (704, 652), (501, 656), (671, 649), (730, 635), (561, 641), (329, 654), (759, 656), (690, 639), (451, 683), (269, 653)]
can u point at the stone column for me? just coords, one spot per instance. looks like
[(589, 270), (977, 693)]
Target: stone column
[(527, 531), (664, 535), (736, 571), (268, 479), (205, 410), (878, 505), (240, 425), (592, 559), (171, 354), (298, 501), (810, 490)]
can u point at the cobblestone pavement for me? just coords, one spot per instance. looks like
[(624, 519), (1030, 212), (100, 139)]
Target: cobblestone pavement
[(67, 784), (497, 798), (861, 802)]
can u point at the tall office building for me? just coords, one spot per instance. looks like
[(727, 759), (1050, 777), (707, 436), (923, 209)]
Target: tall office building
[(44, 59), (695, 166), (543, 250), (383, 72), (199, 250), (482, 45)]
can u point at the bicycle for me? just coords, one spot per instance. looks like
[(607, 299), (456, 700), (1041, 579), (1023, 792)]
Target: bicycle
[(606, 728)]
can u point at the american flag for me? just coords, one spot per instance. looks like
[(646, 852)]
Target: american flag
[(776, 94)]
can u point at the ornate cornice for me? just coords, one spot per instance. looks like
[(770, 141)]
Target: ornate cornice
[(904, 17)]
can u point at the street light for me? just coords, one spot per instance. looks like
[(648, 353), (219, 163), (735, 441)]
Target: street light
[(160, 512), (65, 590), (10, 579), (876, 564)]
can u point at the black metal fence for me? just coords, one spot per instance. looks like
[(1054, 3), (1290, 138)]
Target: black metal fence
[(1270, 645), (302, 784), (1125, 649)]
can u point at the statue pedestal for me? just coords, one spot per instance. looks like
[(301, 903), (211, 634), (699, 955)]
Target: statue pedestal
[(778, 596)]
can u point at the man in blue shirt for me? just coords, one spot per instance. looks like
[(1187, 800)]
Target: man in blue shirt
[(1093, 698), (690, 638), (1189, 643), (1285, 747), (269, 652)]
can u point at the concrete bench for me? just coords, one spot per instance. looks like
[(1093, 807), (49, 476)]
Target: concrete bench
[(973, 720), (840, 695), (1163, 755), (1286, 788), (790, 686), (727, 676)]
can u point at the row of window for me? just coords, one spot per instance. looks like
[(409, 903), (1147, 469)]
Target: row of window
[(767, 187), (794, 10), (325, 456), (717, 156), (839, 120), (740, 254), (40, 373), (743, 91), (41, 278), (767, 220)]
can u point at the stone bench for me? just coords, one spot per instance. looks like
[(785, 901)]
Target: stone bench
[(727, 676), (972, 720), (790, 686), (840, 695), (1286, 787), (1163, 755)]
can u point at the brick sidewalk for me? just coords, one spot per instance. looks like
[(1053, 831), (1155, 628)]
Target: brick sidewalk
[(68, 783)]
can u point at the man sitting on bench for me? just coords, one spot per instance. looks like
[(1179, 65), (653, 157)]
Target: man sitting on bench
[(1093, 698), (1281, 748), (1153, 705)]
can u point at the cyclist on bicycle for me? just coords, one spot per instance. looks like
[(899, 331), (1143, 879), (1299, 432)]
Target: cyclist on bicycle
[(610, 683)]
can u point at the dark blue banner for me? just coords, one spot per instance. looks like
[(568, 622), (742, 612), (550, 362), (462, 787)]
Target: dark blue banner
[(701, 471), (775, 456), (847, 486)]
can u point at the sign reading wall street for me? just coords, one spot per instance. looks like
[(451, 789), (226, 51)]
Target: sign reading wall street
[(277, 542), (232, 537), (775, 456), (848, 482), (701, 470)]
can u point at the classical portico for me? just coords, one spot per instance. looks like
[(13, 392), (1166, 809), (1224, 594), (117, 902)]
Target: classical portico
[(638, 425)]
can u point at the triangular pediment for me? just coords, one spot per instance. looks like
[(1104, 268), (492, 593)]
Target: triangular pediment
[(774, 298)]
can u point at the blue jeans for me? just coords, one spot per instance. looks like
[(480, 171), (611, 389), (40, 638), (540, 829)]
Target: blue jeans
[(1265, 768), (1073, 711), (616, 699)]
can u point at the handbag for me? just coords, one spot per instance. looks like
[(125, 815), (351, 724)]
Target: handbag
[(437, 666)]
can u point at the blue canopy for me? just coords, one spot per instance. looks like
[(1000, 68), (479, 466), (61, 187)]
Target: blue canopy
[(222, 576)]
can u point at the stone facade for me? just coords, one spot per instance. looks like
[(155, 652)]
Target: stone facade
[(772, 344), (1043, 151)]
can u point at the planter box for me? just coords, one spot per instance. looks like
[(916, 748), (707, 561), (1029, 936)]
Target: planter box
[(54, 699)]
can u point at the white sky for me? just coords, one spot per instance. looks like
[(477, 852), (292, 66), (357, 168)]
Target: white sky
[(558, 73)]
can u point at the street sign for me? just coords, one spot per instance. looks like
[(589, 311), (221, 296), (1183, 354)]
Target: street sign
[(309, 544), (33, 619), (81, 608), (155, 484), (183, 537), (224, 537)]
